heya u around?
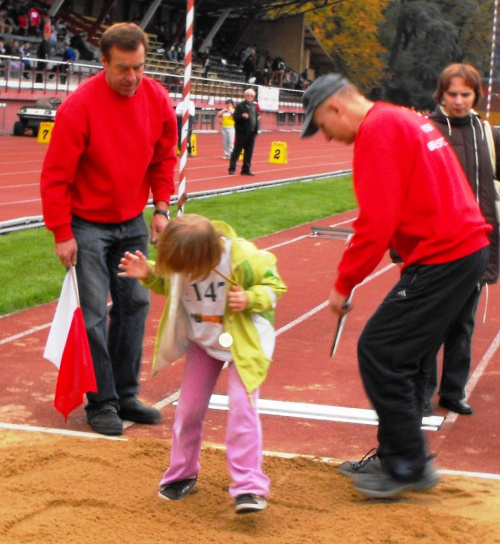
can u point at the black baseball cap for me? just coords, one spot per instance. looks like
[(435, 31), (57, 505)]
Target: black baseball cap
[(316, 94)]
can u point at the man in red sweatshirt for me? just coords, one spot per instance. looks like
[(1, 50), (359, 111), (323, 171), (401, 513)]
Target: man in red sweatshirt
[(113, 143), (413, 197)]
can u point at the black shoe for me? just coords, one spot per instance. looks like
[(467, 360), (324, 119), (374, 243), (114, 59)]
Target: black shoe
[(382, 485), (456, 405), (132, 409), (427, 411), (369, 464), (106, 421), (248, 503), (231, 172), (177, 490), (244, 173)]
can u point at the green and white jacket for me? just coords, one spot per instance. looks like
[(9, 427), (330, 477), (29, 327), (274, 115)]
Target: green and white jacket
[(252, 330)]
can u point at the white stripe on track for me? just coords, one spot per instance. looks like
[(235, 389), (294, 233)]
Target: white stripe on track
[(25, 333), (48, 430)]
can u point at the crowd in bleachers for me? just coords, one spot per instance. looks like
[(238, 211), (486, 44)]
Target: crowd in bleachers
[(26, 30)]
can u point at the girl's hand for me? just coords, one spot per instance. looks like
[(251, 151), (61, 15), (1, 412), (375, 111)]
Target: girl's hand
[(237, 299), (134, 266)]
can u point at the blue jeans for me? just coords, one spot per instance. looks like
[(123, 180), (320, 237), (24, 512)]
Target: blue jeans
[(115, 344)]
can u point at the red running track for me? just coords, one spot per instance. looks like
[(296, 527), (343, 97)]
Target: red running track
[(21, 160), (302, 371)]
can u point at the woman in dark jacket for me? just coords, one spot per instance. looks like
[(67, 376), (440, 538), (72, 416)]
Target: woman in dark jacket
[(459, 90)]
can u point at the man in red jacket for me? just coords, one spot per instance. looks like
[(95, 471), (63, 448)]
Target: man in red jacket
[(113, 143), (413, 197)]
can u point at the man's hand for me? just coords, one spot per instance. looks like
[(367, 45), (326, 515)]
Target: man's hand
[(337, 303), (158, 225), (134, 266), (237, 299), (67, 251)]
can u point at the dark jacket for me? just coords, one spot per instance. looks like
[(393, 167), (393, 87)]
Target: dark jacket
[(468, 139), (243, 125)]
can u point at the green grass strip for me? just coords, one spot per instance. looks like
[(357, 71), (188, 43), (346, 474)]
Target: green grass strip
[(31, 274)]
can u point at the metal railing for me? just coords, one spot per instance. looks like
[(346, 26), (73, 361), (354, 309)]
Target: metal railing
[(53, 76)]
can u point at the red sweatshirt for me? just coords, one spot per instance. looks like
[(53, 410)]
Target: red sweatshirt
[(106, 153), (412, 195)]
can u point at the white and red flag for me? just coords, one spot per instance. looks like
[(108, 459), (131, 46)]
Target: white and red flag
[(68, 348)]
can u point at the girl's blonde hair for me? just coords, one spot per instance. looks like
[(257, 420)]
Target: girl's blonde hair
[(189, 245)]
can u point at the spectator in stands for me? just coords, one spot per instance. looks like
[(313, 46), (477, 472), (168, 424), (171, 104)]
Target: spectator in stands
[(175, 82), (250, 51), (112, 144), (23, 23), (249, 67), (205, 62), (42, 53), (8, 23), (246, 124), (78, 42), (46, 26), (34, 18), (60, 30), (179, 112), (225, 115), (68, 56), (278, 70), (173, 52), (24, 52)]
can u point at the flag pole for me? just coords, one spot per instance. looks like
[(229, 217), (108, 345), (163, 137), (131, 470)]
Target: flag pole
[(492, 58), (75, 285), (186, 98)]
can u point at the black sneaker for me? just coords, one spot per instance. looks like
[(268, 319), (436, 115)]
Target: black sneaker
[(248, 503), (106, 421), (383, 486), (175, 491), (369, 464), (132, 409)]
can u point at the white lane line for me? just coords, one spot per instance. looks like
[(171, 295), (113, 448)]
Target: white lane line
[(336, 461), (19, 202), (78, 434), (25, 333), (478, 373), (318, 308), (320, 412)]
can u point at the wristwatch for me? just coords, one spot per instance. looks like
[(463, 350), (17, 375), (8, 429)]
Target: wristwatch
[(166, 213)]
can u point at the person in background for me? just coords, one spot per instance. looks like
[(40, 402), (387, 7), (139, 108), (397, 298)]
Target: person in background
[(113, 144), (246, 123), (225, 306), (179, 112), (458, 92), (225, 115), (69, 56), (423, 208)]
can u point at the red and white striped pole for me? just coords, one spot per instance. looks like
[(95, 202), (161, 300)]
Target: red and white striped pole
[(186, 98), (492, 59)]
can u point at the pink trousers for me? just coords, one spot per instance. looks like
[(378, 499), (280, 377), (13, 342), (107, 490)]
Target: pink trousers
[(243, 431)]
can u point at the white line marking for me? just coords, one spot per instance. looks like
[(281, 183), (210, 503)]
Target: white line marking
[(25, 333), (477, 374), (79, 434), (335, 461), (318, 308), (319, 412)]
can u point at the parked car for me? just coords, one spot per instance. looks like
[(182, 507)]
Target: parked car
[(31, 116)]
